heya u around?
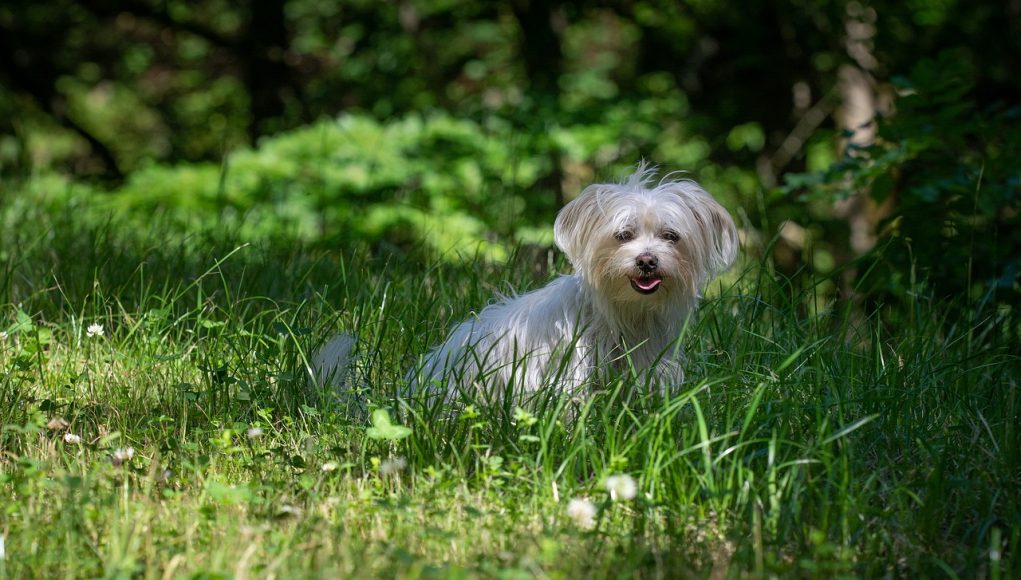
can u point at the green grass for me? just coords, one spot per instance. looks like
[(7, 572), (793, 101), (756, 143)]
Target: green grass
[(808, 441)]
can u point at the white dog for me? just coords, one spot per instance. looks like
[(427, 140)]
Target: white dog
[(641, 255)]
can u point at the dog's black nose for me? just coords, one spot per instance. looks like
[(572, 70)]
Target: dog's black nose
[(647, 262)]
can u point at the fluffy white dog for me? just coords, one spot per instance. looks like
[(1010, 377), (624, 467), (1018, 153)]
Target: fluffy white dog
[(641, 255)]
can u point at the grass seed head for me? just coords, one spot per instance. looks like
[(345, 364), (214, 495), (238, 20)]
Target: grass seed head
[(391, 466), (582, 512), (621, 487)]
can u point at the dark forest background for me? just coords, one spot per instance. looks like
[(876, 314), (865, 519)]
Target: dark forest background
[(870, 144)]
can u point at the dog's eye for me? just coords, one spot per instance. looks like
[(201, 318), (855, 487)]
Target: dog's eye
[(624, 236), (670, 236)]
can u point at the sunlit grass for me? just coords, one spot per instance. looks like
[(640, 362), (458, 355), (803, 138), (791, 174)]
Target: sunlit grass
[(805, 442)]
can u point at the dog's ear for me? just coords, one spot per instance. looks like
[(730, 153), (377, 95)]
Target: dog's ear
[(572, 229), (715, 228)]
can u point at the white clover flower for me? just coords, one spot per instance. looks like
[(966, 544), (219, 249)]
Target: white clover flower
[(94, 330), (329, 466), (621, 487), (120, 456), (582, 512), (72, 439), (3, 335), (391, 466), (255, 432)]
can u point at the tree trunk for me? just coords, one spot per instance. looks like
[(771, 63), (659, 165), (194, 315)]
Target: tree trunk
[(856, 116), (540, 47), (267, 77), (544, 60)]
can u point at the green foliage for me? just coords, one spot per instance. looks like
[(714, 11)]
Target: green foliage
[(949, 172), (383, 428), (414, 182)]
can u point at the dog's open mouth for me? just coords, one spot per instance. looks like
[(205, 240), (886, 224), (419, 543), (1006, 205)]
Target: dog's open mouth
[(646, 284)]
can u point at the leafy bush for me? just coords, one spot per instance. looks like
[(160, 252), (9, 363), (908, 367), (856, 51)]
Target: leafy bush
[(414, 180)]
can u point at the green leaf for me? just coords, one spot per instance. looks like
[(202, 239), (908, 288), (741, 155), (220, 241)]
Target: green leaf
[(22, 323), (383, 428), (227, 494), (847, 430), (523, 418)]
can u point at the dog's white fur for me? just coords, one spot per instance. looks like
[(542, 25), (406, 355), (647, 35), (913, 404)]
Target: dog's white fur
[(641, 255)]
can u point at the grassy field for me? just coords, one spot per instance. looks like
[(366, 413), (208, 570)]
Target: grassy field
[(158, 421)]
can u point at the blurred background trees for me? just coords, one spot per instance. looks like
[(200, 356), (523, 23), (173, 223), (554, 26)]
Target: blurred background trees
[(873, 140)]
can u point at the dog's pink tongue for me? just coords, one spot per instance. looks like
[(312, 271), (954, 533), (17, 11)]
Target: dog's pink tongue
[(647, 283)]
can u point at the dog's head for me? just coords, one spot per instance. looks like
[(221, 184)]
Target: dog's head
[(637, 242)]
